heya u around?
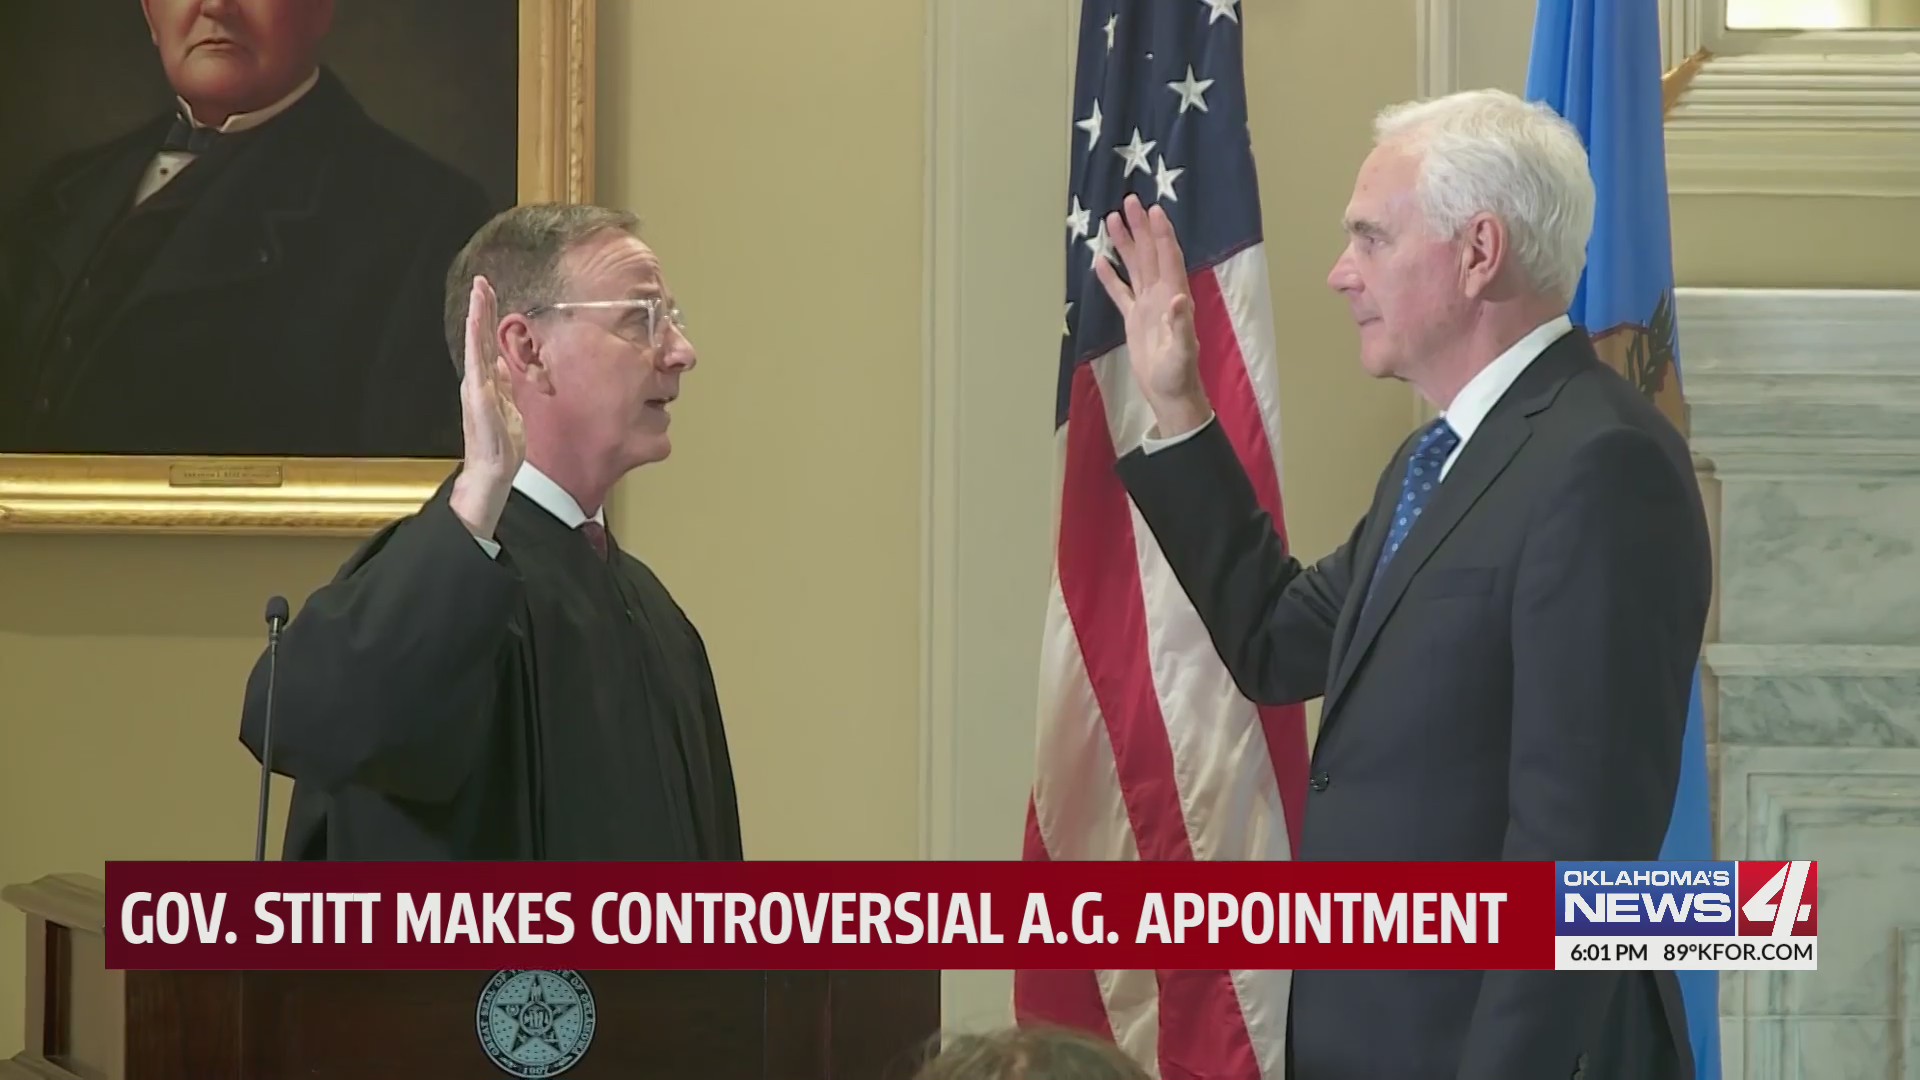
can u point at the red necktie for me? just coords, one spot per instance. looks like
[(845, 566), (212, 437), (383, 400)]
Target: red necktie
[(596, 535)]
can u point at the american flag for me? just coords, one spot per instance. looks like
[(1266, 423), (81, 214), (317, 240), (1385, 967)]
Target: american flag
[(1146, 749)]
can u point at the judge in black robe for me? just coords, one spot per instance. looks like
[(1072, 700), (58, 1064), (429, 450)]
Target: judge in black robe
[(438, 701)]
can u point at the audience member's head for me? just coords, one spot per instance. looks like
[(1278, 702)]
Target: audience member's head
[(1035, 1053)]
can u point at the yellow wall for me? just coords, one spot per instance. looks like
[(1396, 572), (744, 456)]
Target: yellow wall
[(121, 666), (1316, 74), (780, 170)]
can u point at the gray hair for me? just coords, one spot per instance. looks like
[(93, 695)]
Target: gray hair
[(519, 253), (1487, 151), (1040, 1052)]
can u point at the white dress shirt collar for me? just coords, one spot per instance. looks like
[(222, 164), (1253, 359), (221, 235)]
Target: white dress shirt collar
[(551, 497), (1469, 407), (1476, 399), (246, 120)]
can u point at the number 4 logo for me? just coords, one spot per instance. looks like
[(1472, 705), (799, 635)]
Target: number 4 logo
[(1778, 901)]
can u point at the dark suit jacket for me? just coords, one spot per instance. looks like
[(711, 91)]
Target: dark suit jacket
[(291, 308), (1517, 690)]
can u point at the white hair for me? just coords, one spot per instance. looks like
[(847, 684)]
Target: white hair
[(1487, 151)]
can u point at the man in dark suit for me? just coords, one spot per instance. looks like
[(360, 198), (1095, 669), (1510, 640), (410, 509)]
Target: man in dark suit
[(255, 273), (1506, 642)]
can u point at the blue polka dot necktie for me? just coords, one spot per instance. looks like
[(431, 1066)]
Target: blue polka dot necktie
[(1422, 480)]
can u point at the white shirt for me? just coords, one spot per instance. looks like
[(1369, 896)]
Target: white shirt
[(168, 164), (550, 497), (1469, 407), (1475, 400)]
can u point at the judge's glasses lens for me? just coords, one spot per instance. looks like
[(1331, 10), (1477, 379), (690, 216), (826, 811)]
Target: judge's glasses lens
[(654, 310), (658, 316)]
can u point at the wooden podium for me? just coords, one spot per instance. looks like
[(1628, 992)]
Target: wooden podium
[(87, 1023)]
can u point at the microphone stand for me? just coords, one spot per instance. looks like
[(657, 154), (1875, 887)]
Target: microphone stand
[(276, 617)]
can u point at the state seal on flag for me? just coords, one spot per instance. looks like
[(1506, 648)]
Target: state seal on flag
[(535, 1023), (1644, 354)]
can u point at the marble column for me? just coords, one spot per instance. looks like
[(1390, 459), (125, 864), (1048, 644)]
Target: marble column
[(1806, 414)]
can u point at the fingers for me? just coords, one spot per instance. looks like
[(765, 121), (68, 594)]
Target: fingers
[(481, 323), (1172, 262), (1135, 243), (1142, 250), (1144, 240), (1177, 322), (470, 361), (1126, 243), (1117, 290)]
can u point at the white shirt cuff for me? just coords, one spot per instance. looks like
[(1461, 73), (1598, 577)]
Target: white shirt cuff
[(1152, 444)]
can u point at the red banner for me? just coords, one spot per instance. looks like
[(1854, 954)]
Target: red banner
[(830, 916)]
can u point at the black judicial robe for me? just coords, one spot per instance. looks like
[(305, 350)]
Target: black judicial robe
[(434, 703)]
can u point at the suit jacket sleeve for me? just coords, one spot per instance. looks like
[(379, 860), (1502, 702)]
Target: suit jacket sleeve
[(1271, 619), (1610, 604), (386, 676)]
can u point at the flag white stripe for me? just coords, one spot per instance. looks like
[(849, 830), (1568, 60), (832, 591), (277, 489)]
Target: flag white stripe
[(1080, 812), (1077, 800), (1249, 294)]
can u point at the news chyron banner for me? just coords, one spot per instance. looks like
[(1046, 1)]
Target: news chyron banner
[(910, 916)]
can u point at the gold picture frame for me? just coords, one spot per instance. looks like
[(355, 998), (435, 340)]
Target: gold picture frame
[(321, 496)]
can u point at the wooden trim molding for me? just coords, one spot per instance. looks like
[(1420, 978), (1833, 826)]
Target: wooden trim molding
[(1813, 112)]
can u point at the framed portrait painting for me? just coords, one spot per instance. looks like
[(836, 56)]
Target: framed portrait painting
[(225, 233)]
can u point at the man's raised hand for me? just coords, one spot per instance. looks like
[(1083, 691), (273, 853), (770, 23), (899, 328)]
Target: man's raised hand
[(1157, 308), (496, 444)]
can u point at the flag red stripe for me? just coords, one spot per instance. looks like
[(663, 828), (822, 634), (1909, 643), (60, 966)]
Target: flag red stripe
[(1223, 372), (1064, 998), (1100, 579), (1202, 1032)]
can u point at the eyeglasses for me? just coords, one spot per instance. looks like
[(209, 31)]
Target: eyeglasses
[(652, 305)]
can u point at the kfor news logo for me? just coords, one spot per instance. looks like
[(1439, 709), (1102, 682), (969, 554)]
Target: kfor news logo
[(1778, 899), (1669, 915)]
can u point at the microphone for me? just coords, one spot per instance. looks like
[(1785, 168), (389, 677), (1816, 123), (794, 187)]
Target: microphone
[(276, 618)]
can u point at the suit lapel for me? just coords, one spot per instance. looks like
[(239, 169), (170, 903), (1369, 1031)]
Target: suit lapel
[(1365, 557), (1485, 456), (236, 230), (84, 205), (264, 185)]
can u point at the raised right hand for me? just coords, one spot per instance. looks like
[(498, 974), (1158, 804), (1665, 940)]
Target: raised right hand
[(496, 444), (1157, 306)]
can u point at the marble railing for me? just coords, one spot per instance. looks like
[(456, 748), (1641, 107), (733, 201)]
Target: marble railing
[(1805, 413)]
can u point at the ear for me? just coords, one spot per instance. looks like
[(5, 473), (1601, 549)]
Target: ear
[(1483, 254), (525, 361)]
